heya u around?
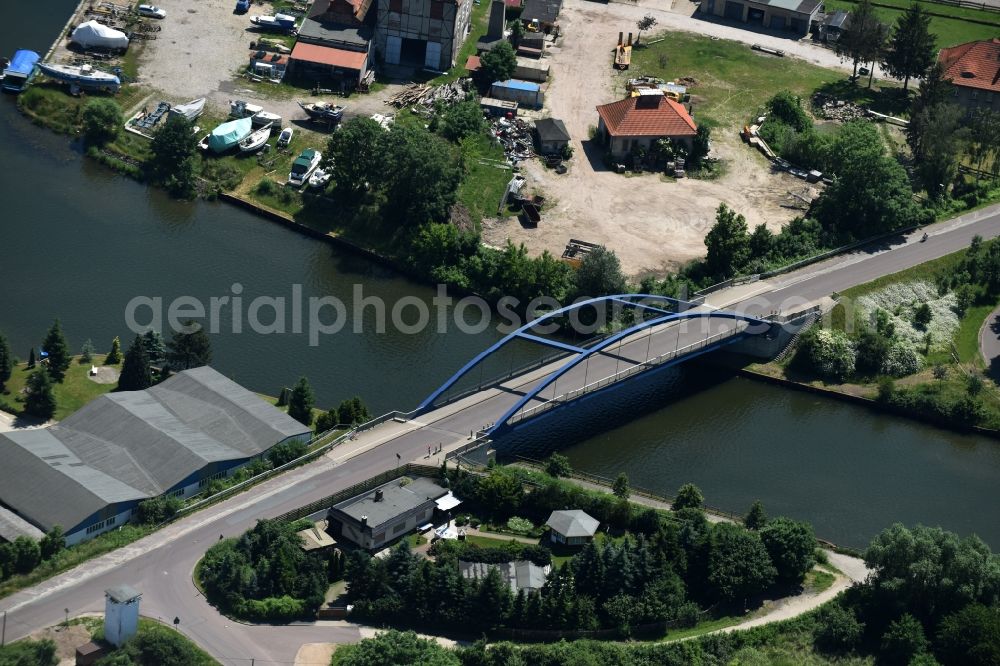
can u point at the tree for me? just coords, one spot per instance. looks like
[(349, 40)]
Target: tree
[(787, 108), (974, 384), (939, 147), (189, 350), (39, 398), (645, 23), (53, 542), (838, 629), (903, 641), (738, 564), (155, 348), (354, 154), (499, 63), (114, 356), (27, 554), (970, 636), (31, 358), (600, 274), (791, 545), (830, 354), (558, 465), (728, 243), (301, 402), (395, 647), (462, 120), (58, 351), (136, 374), (688, 497), (620, 486), (864, 38), (911, 48), (87, 352), (172, 161), (872, 351), (700, 146), (922, 315), (516, 31), (423, 183), (756, 518), (6, 362), (935, 90), (102, 120), (352, 412)]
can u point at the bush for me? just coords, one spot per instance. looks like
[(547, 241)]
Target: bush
[(903, 641), (520, 525), (901, 360), (461, 521), (830, 354), (838, 630), (267, 188), (286, 452), (157, 510), (102, 120)]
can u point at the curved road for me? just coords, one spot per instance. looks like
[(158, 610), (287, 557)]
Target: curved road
[(160, 565)]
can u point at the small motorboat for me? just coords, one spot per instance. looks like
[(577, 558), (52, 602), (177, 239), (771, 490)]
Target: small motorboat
[(266, 118), (285, 137), (190, 110), (255, 140), (303, 167), (276, 22), (240, 109), (319, 178), (323, 111)]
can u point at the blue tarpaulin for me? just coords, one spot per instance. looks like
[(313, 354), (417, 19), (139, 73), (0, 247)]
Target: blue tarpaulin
[(22, 62), (227, 135)]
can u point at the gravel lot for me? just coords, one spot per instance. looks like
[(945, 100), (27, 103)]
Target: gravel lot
[(653, 226)]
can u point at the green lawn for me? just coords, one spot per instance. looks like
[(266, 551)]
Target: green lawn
[(949, 31), (484, 182), (703, 627), (732, 80), (76, 390)]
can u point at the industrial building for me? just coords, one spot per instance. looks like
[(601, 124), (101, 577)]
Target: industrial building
[(376, 518), (795, 16), (334, 42), (89, 472), (421, 34)]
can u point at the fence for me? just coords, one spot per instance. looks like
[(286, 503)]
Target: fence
[(618, 376)]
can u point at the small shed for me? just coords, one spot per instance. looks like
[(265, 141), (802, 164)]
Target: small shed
[(532, 69), (551, 134), (572, 527), (525, 93)]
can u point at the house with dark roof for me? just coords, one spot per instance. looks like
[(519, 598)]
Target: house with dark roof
[(521, 575), (380, 516), (794, 16), (572, 527), (637, 122), (974, 70), (335, 42), (88, 472), (552, 135), (545, 12)]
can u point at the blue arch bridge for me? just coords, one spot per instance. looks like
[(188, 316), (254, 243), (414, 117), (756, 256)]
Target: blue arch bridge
[(660, 332)]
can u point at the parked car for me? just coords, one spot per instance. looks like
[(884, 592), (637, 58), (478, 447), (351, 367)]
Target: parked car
[(152, 11), (242, 6)]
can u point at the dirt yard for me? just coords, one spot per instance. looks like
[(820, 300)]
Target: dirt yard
[(202, 47), (652, 224)]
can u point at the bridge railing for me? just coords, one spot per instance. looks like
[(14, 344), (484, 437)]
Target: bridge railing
[(621, 374)]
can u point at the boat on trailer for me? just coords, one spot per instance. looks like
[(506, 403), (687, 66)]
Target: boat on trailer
[(82, 76), (323, 111)]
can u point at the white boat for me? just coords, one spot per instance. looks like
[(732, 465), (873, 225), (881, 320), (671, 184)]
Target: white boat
[(240, 109), (319, 178), (84, 76), (256, 140), (190, 110), (266, 118), (276, 22), (303, 166), (285, 137)]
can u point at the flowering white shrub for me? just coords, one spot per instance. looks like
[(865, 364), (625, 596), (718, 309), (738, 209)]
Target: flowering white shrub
[(902, 299), (831, 354), (902, 360)]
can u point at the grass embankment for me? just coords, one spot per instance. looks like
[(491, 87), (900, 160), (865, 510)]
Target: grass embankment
[(75, 391), (478, 24), (952, 25)]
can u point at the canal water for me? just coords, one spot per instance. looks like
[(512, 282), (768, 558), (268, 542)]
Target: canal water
[(78, 242)]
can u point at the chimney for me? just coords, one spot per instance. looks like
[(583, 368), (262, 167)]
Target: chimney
[(364, 521), (378, 495), (630, 39), (621, 38)]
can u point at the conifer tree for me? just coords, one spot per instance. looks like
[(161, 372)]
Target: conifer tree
[(114, 356), (136, 374), (40, 399), (58, 351), (301, 402)]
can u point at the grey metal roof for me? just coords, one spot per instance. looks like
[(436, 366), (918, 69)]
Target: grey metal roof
[(808, 7), (573, 523), (551, 129), (13, 526), (315, 30), (128, 446), (122, 593), (396, 500), (546, 11), (521, 575)]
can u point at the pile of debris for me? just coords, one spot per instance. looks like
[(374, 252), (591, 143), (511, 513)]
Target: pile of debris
[(515, 136), (421, 94), (831, 108)]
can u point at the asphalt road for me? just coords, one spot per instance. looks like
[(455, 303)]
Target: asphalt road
[(160, 566)]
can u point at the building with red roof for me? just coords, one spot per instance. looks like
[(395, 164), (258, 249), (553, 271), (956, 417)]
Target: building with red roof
[(637, 122), (974, 70)]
